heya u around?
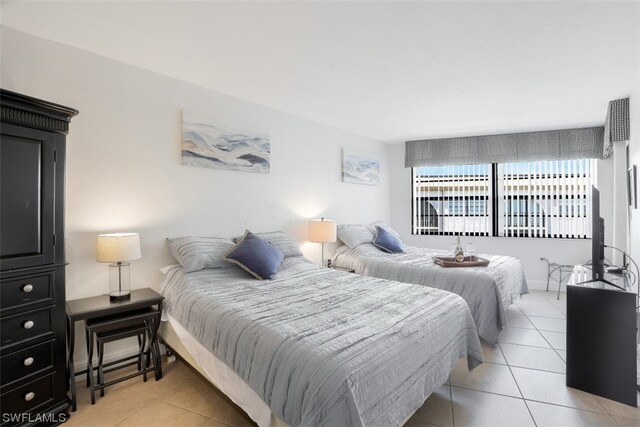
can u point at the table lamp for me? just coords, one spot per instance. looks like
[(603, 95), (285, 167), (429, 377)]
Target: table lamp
[(322, 231), (117, 249)]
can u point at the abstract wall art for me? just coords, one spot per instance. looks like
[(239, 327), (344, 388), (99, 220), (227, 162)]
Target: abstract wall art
[(359, 167), (210, 145)]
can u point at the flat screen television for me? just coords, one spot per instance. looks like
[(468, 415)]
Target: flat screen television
[(597, 237), (597, 242)]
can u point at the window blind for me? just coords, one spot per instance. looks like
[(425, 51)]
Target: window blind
[(525, 199), (452, 200), (547, 198)]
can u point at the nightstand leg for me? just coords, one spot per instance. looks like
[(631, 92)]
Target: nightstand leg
[(88, 341), (155, 351), (90, 370), (140, 350), (143, 355), (101, 367), (70, 368), (153, 341)]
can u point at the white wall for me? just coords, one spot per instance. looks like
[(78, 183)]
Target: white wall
[(528, 250), (124, 172), (619, 224), (634, 159)]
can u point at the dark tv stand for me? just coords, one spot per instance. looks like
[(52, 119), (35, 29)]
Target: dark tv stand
[(602, 340), (602, 281)]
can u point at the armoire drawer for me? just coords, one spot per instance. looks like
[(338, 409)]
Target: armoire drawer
[(26, 362), (28, 396), (24, 326), (24, 291)]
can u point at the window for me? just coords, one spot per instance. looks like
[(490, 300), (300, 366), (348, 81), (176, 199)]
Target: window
[(527, 199), (449, 200)]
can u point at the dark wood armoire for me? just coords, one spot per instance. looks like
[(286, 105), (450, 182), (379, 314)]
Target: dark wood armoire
[(33, 381)]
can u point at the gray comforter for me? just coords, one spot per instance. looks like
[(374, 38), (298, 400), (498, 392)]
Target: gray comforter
[(326, 348), (487, 290)]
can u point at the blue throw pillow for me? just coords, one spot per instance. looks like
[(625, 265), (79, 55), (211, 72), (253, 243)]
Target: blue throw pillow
[(387, 241), (257, 256)]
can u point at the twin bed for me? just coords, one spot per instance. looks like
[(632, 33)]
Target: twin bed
[(487, 290), (317, 346)]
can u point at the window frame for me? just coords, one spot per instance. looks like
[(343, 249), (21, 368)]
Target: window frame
[(497, 217), (490, 208)]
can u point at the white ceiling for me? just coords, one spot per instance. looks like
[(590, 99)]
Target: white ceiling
[(390, 71)]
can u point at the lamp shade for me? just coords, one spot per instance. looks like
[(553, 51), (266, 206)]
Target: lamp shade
[(322, 231), (118, 247)]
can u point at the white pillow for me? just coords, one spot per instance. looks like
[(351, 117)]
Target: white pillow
[(354, 235), (198, 253)]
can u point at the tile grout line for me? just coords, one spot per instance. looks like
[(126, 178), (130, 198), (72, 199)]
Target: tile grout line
[(526, 345), (489, 392), (208, 417), (158, 399), (453, 419), (569, 407), (518, 385), (532, 400), (536, 369), (545, 338), (139, 410), (520, 391), (624, 418), (606, 411)]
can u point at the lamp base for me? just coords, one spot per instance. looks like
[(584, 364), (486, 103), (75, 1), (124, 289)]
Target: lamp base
[(120, 296), (119, 281)]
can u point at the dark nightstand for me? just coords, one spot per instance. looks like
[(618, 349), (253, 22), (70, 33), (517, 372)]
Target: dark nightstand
[(102, 307)]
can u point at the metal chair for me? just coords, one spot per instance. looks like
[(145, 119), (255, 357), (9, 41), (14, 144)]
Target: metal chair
[(564, 273)]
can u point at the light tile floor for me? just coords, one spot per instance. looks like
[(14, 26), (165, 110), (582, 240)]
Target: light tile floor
[(520, 384)]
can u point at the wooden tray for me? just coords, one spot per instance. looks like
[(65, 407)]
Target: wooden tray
[(469, 261)]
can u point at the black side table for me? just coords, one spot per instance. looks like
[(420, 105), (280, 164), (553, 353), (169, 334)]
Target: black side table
[(101, 306)]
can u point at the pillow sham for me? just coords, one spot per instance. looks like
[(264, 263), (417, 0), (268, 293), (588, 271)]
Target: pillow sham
[(354, 235), (387, 241), (198, 253), (165, 270), (280, 240), (257, 256)]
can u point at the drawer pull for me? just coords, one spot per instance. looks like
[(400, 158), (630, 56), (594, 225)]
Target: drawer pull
[(29, 396), (28, 324), (27, 288), (28, 361)]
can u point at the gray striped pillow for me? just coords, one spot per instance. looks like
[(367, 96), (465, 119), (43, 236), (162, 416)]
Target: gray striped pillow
[(198, 253), (281, 241), (354, 235)]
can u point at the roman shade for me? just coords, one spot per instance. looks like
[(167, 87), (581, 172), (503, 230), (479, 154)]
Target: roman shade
[(562, 144), (616, 125)]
